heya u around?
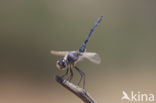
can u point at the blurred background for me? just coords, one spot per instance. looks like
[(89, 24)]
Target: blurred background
[(125, 40)]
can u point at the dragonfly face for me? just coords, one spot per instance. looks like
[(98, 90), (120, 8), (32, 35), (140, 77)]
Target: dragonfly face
[(61, 64)]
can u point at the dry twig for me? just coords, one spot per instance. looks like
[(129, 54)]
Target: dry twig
[(80, 92)]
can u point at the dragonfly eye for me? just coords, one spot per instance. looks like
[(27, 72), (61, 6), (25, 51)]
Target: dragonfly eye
[(61, 64)]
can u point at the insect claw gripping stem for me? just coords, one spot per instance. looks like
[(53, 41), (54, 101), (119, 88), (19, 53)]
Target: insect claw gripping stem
[(83, 46), (82, 74)]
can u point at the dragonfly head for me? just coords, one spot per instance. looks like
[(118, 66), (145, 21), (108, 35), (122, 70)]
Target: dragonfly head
[(61, 64)]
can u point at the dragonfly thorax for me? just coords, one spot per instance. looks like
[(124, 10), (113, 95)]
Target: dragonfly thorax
[(73, 56)]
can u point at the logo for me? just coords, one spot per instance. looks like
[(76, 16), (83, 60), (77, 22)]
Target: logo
[(137, 97)]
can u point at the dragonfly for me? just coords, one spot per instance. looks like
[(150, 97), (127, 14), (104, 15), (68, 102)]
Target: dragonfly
[(71, 58)]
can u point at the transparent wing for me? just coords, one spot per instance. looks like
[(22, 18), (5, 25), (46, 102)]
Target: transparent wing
[(93, 57), (60, 53)]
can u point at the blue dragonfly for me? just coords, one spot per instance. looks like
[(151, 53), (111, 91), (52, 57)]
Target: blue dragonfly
[(70, 58)]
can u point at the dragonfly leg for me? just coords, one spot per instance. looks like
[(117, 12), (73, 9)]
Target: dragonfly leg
[(66, 73), (82, 74), (71, 75)]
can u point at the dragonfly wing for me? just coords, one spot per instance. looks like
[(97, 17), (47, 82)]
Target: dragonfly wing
[(60, 53), (93, 57)]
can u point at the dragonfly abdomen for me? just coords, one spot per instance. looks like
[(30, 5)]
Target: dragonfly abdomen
[(83, 46)]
